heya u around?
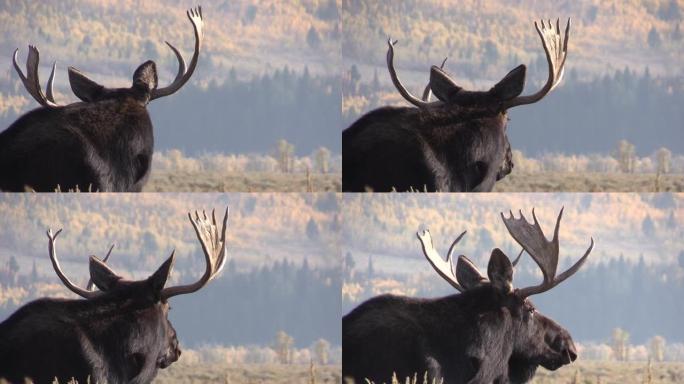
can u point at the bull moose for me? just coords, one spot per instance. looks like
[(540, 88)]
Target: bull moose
[(457, 143), (118, 334), (489, 333), (104, 143)]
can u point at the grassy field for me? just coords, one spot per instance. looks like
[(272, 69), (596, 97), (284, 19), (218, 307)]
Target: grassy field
[(589, 182), (594, 372), (248, 373), (602, 372), (190, 181)]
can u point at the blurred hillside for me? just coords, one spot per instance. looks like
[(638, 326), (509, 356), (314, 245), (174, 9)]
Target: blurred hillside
[(282, 272), (234, 116), (485, 39), (112, 37), (146, 228), (624, 77), (280, 57), (634, 225), (633, 279)]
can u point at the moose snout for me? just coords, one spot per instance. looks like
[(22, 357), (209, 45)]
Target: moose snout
[(571, 352), (171, 356), (566, 347), (176, 352)]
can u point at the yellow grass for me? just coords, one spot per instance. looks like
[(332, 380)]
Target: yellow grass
[(202, 181), (248, 373), (596, 372), (589, 182)]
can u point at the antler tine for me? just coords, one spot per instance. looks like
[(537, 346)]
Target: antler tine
[(58, 269), (443, 267), (531, 238), (560, 278), (571, 271), (556, 50), (31, 81), (49, 92), (452, 247), (397, 83), (543, 252), (182, 76), (213, 246), (517, 259), (427, 92), (91, 284)]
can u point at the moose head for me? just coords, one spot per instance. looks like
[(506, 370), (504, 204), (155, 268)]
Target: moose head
[(490, 332), (457, 143), (119, 333), (536, 339), (105, 142)]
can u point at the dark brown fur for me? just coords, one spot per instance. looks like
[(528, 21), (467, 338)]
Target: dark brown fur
[(122, 336), (459, 145), (104, 143), (487, 334)]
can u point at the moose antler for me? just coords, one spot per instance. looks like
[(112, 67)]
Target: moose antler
[(31, 81), (543, 252), (182, 77), (556, 49), (397, 83), (466, 276), (85, 293), (214, 252)]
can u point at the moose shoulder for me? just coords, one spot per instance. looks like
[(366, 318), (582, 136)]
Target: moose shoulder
[(457, 143), (489, 333), (117, 334), (103, 143)]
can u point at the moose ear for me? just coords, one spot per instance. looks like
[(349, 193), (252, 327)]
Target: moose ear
[(145, 76), (511, 85), (84, 88), (467, 273), (101, 275), (443, 87), (159, 277), (500, 271)]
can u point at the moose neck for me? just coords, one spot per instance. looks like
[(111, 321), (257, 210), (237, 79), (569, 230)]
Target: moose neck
[(464, 146), (125, 147), (130, 330)]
